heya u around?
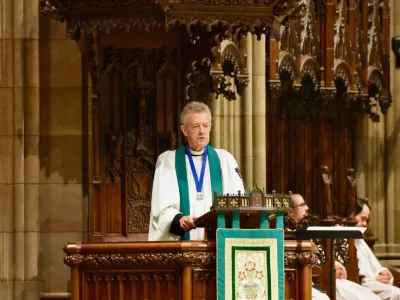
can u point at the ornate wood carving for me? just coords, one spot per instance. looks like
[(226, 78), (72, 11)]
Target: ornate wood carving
[(374, 27), (204, 275), (288, 39), (351, 194), (341, 251), (200, 81), (131, 284), (327, 194), (170, 259), (260, 15), (135, 82), (290, 276), (163, 270), (346, 73), (341, 32), (142, 259), (224, 74), (293, 260), (229, 67), (310, 44)]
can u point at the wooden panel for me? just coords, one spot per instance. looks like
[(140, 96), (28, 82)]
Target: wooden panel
[(159, 270), (125, 284)]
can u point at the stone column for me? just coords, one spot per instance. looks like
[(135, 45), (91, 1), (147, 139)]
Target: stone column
[(259, 113), (215, 107), (377, 184), (19, 157), (370, 166), (247, 109), (392, 139), (64, 199), (41, 202), (237, 130), (11, 139)]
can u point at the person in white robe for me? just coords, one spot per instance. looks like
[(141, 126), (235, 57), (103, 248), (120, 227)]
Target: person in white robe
[(317, 295), (376, 278), (348, 290), (168, 220), (345, 289)]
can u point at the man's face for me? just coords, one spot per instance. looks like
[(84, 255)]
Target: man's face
[(197, 130), (299, 208), (363, 217)]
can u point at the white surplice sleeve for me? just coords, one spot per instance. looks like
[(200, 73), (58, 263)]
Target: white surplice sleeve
[(165, 201), (368, 264)]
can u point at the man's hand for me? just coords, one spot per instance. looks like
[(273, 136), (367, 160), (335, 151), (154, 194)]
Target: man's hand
[(187, 223), (341, 272), (384, 276)]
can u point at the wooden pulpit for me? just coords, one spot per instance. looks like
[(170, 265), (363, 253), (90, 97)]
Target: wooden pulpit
[(186, 269)]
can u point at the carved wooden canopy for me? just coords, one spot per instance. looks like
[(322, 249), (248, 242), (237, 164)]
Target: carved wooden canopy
[(256, 16)]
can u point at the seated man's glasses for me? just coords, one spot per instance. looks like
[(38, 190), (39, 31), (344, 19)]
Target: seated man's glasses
[(299, 205)]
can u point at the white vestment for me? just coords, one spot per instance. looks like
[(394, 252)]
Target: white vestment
[(349, 290), (370, 267), (165, 200), (317, 295)]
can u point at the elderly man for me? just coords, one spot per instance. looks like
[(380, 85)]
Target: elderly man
[(186, 178), (345, 289), (376, 278)]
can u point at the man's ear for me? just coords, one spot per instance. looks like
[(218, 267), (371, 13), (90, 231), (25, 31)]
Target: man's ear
[(184, 131)]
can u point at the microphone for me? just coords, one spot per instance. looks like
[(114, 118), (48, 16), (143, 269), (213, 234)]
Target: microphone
[(241, 177), (239, 173)]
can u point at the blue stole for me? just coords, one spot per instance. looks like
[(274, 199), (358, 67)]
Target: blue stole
[(181, 174)]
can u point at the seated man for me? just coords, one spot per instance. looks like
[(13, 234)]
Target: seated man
[(345, 289), (376, 278), (186, 178)]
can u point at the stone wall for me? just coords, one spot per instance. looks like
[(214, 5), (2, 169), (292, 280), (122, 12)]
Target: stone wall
[(42, 202)]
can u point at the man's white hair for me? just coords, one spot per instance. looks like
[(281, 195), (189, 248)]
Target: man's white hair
[(194, 106)]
